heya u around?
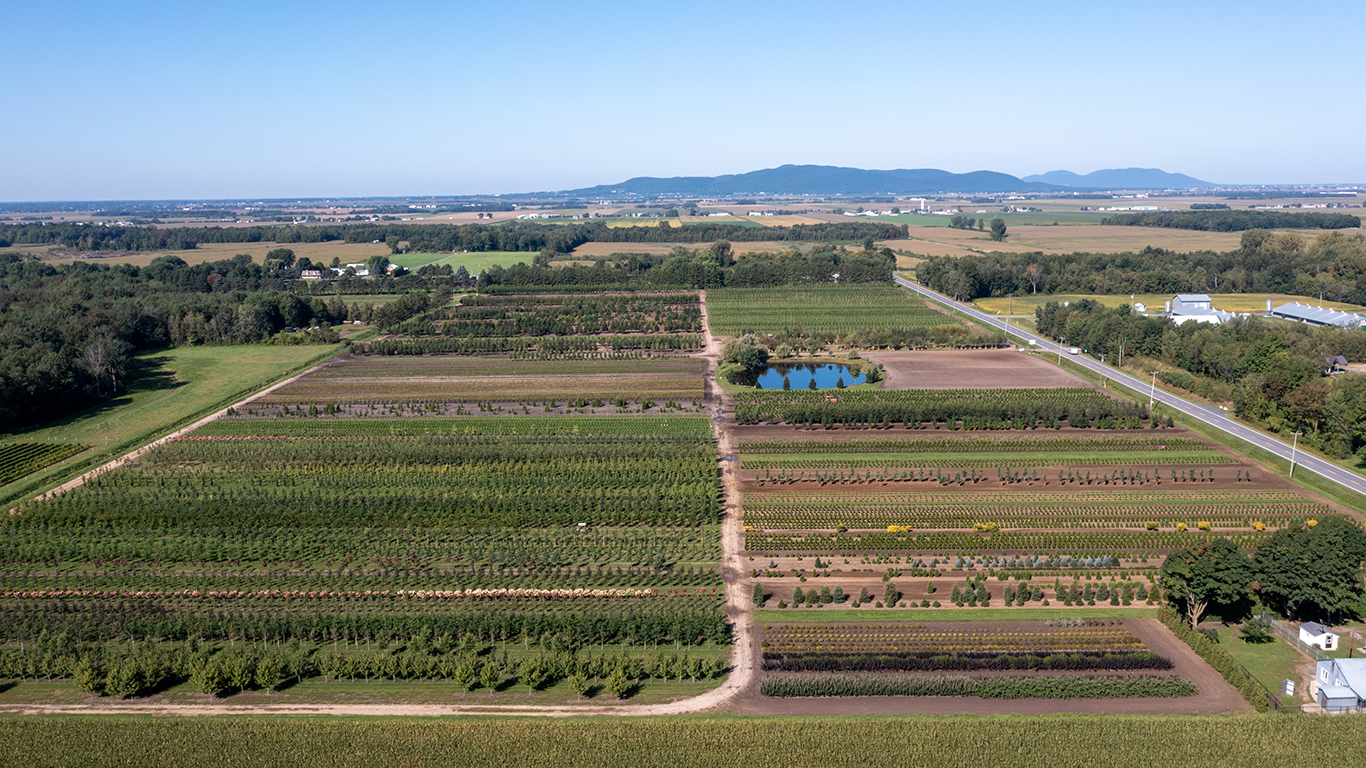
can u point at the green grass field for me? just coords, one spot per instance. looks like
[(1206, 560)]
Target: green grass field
[(1057, 742), (1271, 663), (169, 388), (474, 261)]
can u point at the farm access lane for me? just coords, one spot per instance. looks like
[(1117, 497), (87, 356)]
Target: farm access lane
[(1211, 416)]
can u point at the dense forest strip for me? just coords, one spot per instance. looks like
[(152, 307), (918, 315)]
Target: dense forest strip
[(1235, 221), (512, 236)]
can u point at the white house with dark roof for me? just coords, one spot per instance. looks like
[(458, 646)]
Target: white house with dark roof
[(1315, 634), (1341, 684)]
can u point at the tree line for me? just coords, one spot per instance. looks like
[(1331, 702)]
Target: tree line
[(711, 267), (509, 236), (69, 332), (1229, 220), (1309, 571), (1331, 265)]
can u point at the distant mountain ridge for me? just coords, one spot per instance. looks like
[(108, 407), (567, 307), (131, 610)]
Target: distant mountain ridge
[(1120, 178), (818, 180)]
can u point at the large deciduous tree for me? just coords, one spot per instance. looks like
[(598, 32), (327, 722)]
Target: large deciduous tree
[(1312, 571), (1214, 574)]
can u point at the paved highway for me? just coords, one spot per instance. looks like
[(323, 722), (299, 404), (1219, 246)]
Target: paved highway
[(1211, 416)]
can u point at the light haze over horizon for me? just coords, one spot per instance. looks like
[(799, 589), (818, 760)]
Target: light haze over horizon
[(158, 100)]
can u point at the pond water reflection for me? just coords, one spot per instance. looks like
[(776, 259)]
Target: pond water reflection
[(800, 376)]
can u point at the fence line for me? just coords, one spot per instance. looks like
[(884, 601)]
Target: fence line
[(1294, 637)]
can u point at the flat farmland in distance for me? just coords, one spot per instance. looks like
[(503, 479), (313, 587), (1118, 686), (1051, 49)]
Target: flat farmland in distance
[(473, 261), (1229, 302), (349, 253), (924, 248), (971, 369), (1089, 238), (739, 248)]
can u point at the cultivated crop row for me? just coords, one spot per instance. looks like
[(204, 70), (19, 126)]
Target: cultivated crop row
[(787, 638), (554, 345), (818, 309), (20, 459), (992, 408)]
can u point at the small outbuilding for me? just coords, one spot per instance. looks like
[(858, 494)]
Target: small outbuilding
[(1315, 634)]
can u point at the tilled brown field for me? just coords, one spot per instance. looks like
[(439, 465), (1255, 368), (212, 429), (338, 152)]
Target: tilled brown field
[(972, 369)]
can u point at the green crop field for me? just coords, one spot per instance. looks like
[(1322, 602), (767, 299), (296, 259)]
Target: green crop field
[(1118, 741), (382, 550), (819, 309), (473, 261)]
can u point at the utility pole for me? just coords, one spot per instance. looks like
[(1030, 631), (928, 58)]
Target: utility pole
[(1152, 393), (1063, 340), (1102, 370), (1293, 446)]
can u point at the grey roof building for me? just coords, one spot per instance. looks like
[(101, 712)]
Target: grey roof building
[(1318, 315)]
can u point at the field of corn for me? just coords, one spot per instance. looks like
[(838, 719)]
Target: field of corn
[(1115, 741)]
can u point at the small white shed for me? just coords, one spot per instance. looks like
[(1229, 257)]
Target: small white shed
[(1314, 633)]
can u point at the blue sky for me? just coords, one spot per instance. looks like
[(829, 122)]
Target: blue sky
[(187, 100)]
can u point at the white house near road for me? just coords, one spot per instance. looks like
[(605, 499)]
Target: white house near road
[(1314, 633), (1341, 684)]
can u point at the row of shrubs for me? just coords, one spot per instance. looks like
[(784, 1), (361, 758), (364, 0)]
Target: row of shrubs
[(1068, 687), (930, 661), (1218, 658)]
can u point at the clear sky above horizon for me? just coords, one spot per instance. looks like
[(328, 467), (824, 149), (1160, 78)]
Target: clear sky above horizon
[(148, 100)]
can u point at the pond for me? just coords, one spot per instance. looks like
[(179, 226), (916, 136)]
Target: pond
[(800, 376)]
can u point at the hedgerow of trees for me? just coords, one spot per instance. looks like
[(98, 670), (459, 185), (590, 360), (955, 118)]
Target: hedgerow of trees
[(1228, 220), (1331, 265)]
